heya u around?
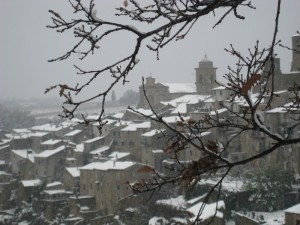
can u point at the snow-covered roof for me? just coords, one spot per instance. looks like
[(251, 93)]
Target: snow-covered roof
[(122, 123), (71, 122), (25, 153), (147, 112), (118, 115), (277, 110), (51, 142), (72, 133), (47, 127), (180, 108), (194, 200), (55, 183), (74, 171), (209, 100), (135, 126), (118, 155), (94, 139), (108, 165), (22, 131), (31, 183), (242, 102), (54, 192), (157, 151), (48, 153), (39, 134), (99, 150), (181, 87), (4, 147), (190, 99), (152, 132), (219, 88), (218, 111), (174, 119), (208, 211), (294, 209)]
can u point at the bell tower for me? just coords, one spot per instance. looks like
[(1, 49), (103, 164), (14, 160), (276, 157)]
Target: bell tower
[(296, 53), (205, 76)]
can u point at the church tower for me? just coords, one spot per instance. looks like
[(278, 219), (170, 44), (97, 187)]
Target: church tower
[(296, 53), (205, 76)]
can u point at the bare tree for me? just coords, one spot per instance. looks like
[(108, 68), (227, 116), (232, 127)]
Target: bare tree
[(174, 20)]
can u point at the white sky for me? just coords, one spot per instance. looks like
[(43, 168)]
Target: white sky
[(26, 45)]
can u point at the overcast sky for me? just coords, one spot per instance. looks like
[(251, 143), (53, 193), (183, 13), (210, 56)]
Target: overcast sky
[(26, 45)]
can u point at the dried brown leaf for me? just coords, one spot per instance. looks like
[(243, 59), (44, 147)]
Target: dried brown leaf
[(249, 83)]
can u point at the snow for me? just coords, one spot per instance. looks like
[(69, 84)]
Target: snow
[(31, 183), (79, 148), (190, 99), (55, 183), (25, 153), (84, 208), (208, 211), (182, 108), (179, 220), (194, 200), (269, 218), (51, 142), (152, 132), (118, 115), (181, 87), (48, 153), (118, 155), (218, 111), (100, 150), (54, 192), (277, 110), (294, 209), (157, 151), (178, 202), (47, 127), (72, 133), (74, 171), (94, 15), (147, 112), (4, 147), (108, 165), (209, 100), (93, 139), (135, 126), (158, 220), (219, 88), (39, 134), (22, 131), (174, 119)]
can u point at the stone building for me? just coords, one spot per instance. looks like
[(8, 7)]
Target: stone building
[(49, 164), (71, 178), (106, 181), (8, 185), (162, 92), (292, 215), (205, 76)]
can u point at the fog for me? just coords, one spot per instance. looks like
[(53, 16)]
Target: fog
[(26, 45)]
